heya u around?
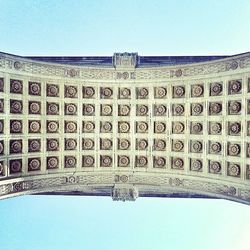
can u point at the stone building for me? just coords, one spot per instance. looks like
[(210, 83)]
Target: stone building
[(125, 126)]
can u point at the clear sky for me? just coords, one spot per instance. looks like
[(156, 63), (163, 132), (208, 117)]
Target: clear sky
[(94, 27)]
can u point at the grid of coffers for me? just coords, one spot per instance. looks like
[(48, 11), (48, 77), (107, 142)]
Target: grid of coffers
[(200, 127)]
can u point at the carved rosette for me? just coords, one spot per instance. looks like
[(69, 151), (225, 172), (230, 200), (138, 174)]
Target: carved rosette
[(178, 91), (70, 144), (1, 84), (215, 148), (106, 110), (141, 110), (16, 107), (141, 127), (34, 107), (124, 93), (196, 128), (160, 110), (70, 109), (88, 127), (105, 161), (34, 88), (123, 161), (35, 126), (16, 146), (106, 144), (196, 165), (234, 128), (215, 128), (160, 92), (142, 93), (234, 107), (88, 92), (15, 166), (233, 170), (123, 127), (1, 105), (177, 145), (70, 127), (52, 126), (196, 146), (16, 86), (141, 161), (106, 93), (106, 127), (124, 110), (159, 145), (178, 127), (16, 126), (123, 144), (52, 144), (70, 91), (1, 126), (52, 162), (216, 88), (178, 109), (1, 147), (214, 167), (196, 109), (52, 90), (215, 108), (34, 145), (34, 164), (159, 127), (70, 161), (88, 109), (88, 161), (159, 162), (177, 163), (234, 149), (197, 90), (88, 144), (235, 87), (141, 144)]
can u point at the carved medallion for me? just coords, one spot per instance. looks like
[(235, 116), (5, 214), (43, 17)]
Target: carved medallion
[(177, 145), (234, 107), (70, 127), (160, 92), (106, 93), (159, 162), (88, 161), (123, 144), (159, 145), (196, 146), (34, 164), (178, 91), (215, 108), (52, 126), (215, 128), (88, 127), (196, 128), (16, 106), (15, 166), (16, 126), (88, 92), (215, 148), (214, 167), (142, 93), (105, 161), (195, 165), (234, 87), (16, 146), (70, 109), (233, 149), (197, 90), (216, 88), (160, 110), (70, 161), (70, 144), (124, 93), (141, 161), (233, 169), (123, 110), (196, 109), (52, 108), (234, 128), (106, 127), (177, 163), (52, 90), (141, 127), (34, 107), (70, 91), (34, 145), (88, 144), (177, 127), (35, 88), (159, 127), (178, 109), (52, 162), (106, 110), (141, 110), (123, 161), (88, 109), (34, 126), (123, 127), (52, 144), (106, 144), (16, 86)]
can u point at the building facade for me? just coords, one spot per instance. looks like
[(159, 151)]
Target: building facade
[(125, 126)]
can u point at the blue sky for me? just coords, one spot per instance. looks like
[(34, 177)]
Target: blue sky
[(102, 28)]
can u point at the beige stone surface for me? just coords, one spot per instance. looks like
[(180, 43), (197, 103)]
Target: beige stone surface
[(125, 130)]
